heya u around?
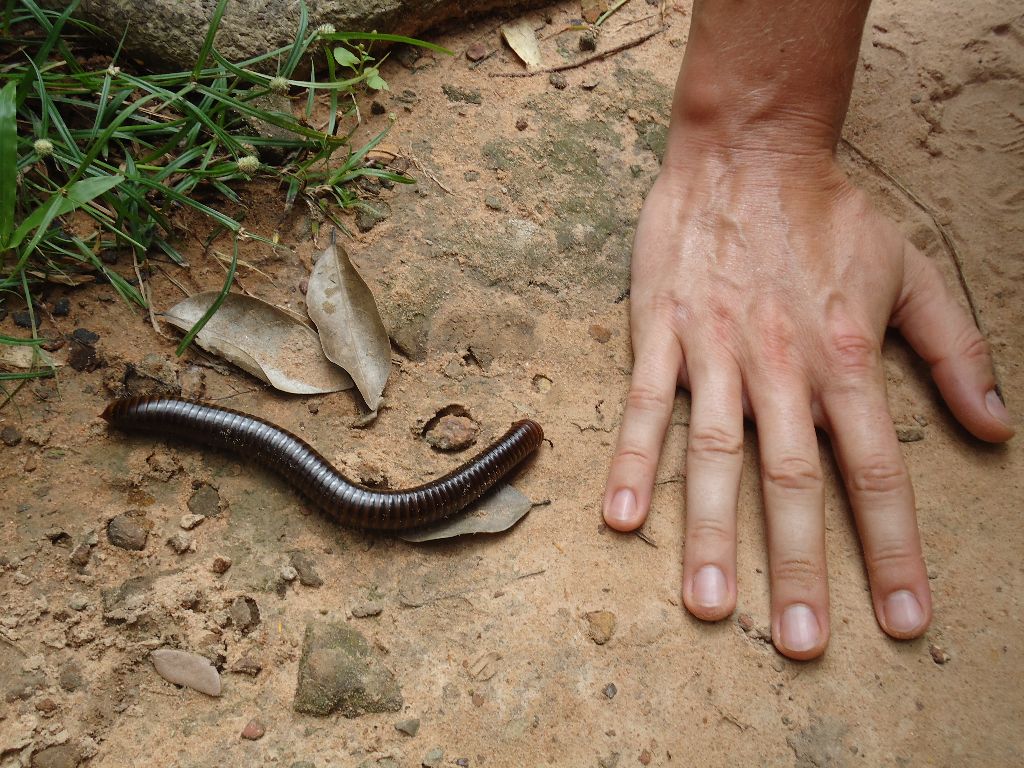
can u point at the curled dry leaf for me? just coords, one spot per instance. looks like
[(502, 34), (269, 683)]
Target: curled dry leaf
[(353, 336), (497, 511), (523, 40), (264, 340)]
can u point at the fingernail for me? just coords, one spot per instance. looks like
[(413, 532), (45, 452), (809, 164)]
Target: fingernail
[(996, 407), (623, 507), (903, 613), (799, 628), (709, 587)]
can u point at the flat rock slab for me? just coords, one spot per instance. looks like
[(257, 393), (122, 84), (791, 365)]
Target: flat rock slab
[(170, 32), (338, 672)]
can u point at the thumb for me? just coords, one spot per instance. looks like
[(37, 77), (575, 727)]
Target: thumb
[(945, 335)]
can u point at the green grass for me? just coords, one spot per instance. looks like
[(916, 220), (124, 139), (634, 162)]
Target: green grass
[(120, 150)]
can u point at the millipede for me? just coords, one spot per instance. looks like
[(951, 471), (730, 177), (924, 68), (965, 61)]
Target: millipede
[(309, 473)]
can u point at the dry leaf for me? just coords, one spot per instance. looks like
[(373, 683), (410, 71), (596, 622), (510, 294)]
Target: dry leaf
[(523, 40), (497, 511), (351, 331), (591, 10), (24, 358), (264, 340)]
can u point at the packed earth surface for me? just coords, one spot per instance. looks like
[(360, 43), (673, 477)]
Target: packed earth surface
[(502, 278)]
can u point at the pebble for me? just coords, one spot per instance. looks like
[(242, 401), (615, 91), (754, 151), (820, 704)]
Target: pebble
[(462, 762), (909, 433), (245, 613), (376, 108), (289, 574), (220, 564), (188, 669), (188, 522), (78, 602), (253, 730), (409, 727), (303, 563), (609, 761), (494, 203), (84, 336), (601, 626), (80, 554), (476, 52), (522, 124), (10, 436), (248, 665), (367, 609), (610, 690), (746, 622), (57, 756), (24, 319), (599, 333), (645, 758), (452, 432), (70, 677), (181, 543), (129, 530), (588, 40), (463, 95), (471, 175), (558, 80), (61, 307), (205, 500), (939, 655), (433, 758), (22, 579), (369, 216)]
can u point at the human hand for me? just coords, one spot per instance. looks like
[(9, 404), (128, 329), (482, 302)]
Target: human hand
[(763, 283)]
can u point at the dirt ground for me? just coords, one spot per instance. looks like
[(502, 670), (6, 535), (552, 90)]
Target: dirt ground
[(502, 277)]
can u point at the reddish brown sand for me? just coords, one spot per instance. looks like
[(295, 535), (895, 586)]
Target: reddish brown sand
[(501, 278)]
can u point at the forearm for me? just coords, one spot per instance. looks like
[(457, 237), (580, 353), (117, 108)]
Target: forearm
[(769, 74)]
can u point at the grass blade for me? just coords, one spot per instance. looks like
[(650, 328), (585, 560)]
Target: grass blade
[(8, 161), (195, 329)]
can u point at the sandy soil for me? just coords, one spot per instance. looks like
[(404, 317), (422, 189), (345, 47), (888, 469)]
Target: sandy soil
[(502, 277)]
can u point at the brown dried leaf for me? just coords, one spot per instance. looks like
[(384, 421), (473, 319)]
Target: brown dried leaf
[(264, 340), (523, 40), (497, 511), (591, 10), (352, 334)]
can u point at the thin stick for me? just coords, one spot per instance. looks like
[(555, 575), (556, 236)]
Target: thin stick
[(583, 62), (147, 296), (423, 169)]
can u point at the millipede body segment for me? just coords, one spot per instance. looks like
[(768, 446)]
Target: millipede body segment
[(312, 475)]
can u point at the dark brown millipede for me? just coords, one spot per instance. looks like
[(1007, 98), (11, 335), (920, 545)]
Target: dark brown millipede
[(312, 475)]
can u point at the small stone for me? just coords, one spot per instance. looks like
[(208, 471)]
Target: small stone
[(188, 669), (463, 95), (476, 52), (609, 761), (22, 579), (83, 357), (921, 419), (599, 333), (188, 522), (248, 665), (589, 85), (558, 80), (129, 530), (83, 336), (10, 436), (289, 574), (409, 727), (471, 175), (367, 609), (220, 564), (78, 602), (59, 537), (433, 758), (205, 501), (303, 563), (522, 124), (181, 542), (601, 626), (47, 706), (253, 730), (57, 756), (25, 320), (80, 555), (610, 690), (493, 202), (939, 655), (61, 307), (645, 758), (462, 762), (588, 40), (746, 622), (376, 108), (777, 664), (245, 613), (451, 432), (70, 677), (909, 433), (369, 216)]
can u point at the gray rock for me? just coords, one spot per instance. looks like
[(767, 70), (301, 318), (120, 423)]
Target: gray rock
[(129, 531), (180, 542), (245, 614), (188, 669), (10, 436), (127, 602), (338, 672), (367, 609), (409, 727), (57, 756), (303, 563), (463, 95), (370, 215), (205, 501), (433, 758), (70, 677), (170, 32)]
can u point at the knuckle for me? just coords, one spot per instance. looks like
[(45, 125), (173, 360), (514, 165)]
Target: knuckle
[(793, 473), (777, 339), (710, 531), (804, 574), (879, 475), (715, 443), (644, 397), (853, 353), (634, 453), (893, 557), (673, 312), (974, 347)]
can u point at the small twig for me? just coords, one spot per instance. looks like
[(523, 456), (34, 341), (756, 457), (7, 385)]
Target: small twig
[(583, 62), (172, 280), (642, 19), (641, 534), (423, 169), (148, 296)]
